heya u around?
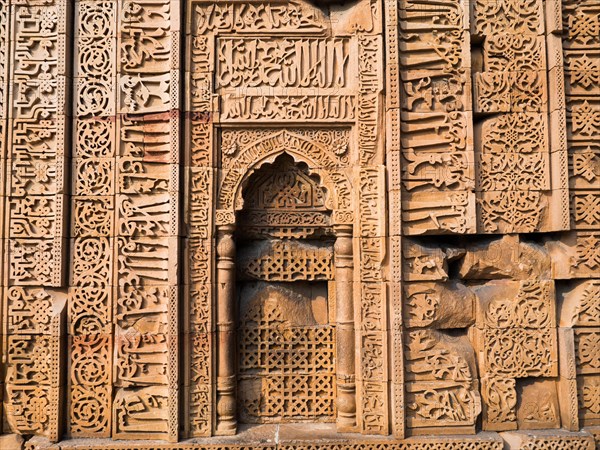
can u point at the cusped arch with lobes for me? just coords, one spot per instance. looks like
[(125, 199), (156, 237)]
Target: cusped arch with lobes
[(321, 160)]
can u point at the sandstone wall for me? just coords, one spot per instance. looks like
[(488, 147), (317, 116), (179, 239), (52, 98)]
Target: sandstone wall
[(382, 215)]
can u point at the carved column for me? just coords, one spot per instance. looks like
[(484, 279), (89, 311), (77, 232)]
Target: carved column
[(346, 386), (226, 402)]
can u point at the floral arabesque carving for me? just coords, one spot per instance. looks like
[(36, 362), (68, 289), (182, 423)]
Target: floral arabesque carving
[(321, 159)]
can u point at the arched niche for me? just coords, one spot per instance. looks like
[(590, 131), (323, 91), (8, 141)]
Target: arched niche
[(285, 316), (284, 199)]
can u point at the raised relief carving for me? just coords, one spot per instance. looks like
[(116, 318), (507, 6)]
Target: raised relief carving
[(34, 90), (579, 51), (259, 79), (285, 261), (436, 138), (290, 65), (284, 339), (91, 297), (325, 150), (442, 385), (274, 63), (146, 221), (517, 191), (287, 360), (516, 332), (266, 223), (438, 305)]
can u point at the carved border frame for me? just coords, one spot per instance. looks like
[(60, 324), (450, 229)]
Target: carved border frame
[(370, 232)]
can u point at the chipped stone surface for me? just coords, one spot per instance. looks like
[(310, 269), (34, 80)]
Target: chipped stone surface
[(11, 441), (542, 440)]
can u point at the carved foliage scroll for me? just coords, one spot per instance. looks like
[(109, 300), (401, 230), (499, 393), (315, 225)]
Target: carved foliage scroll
[(517, 334), (90, 296), (580, 317), (283, 80), (516, 190), (442, 390), (580, 46), (324, 149)]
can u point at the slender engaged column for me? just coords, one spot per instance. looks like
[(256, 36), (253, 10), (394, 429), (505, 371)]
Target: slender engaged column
[(226, 402), (346, 386)]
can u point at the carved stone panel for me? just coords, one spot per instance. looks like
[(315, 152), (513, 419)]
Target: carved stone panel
[(283, 224), (286, 356)]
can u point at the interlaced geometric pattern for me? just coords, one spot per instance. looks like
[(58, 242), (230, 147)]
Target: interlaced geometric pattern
[(291, 369), (288, 261)]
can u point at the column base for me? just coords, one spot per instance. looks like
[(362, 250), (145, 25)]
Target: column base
[(346, 425), (226, 428)]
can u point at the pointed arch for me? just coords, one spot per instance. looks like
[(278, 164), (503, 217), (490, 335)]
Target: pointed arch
[(320, 160)]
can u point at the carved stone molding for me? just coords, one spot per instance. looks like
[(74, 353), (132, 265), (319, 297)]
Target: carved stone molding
[(299, 224)]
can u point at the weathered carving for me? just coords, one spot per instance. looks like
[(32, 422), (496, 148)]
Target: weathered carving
[(245, 228), (324, 150), (299, 383), (438, 305), (274, 63), (442, 388), (34, 146), (537, 407), (286, 261), (516, 329), (436, 138), (91, 299), (519, 192), (146, 221)]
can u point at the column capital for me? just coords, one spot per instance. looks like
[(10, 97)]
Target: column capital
[(343, 230)]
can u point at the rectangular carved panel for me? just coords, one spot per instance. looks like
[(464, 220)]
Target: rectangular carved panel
[(517, 189), (93, 187), (146, 227), (437, 167), (35, 112)]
